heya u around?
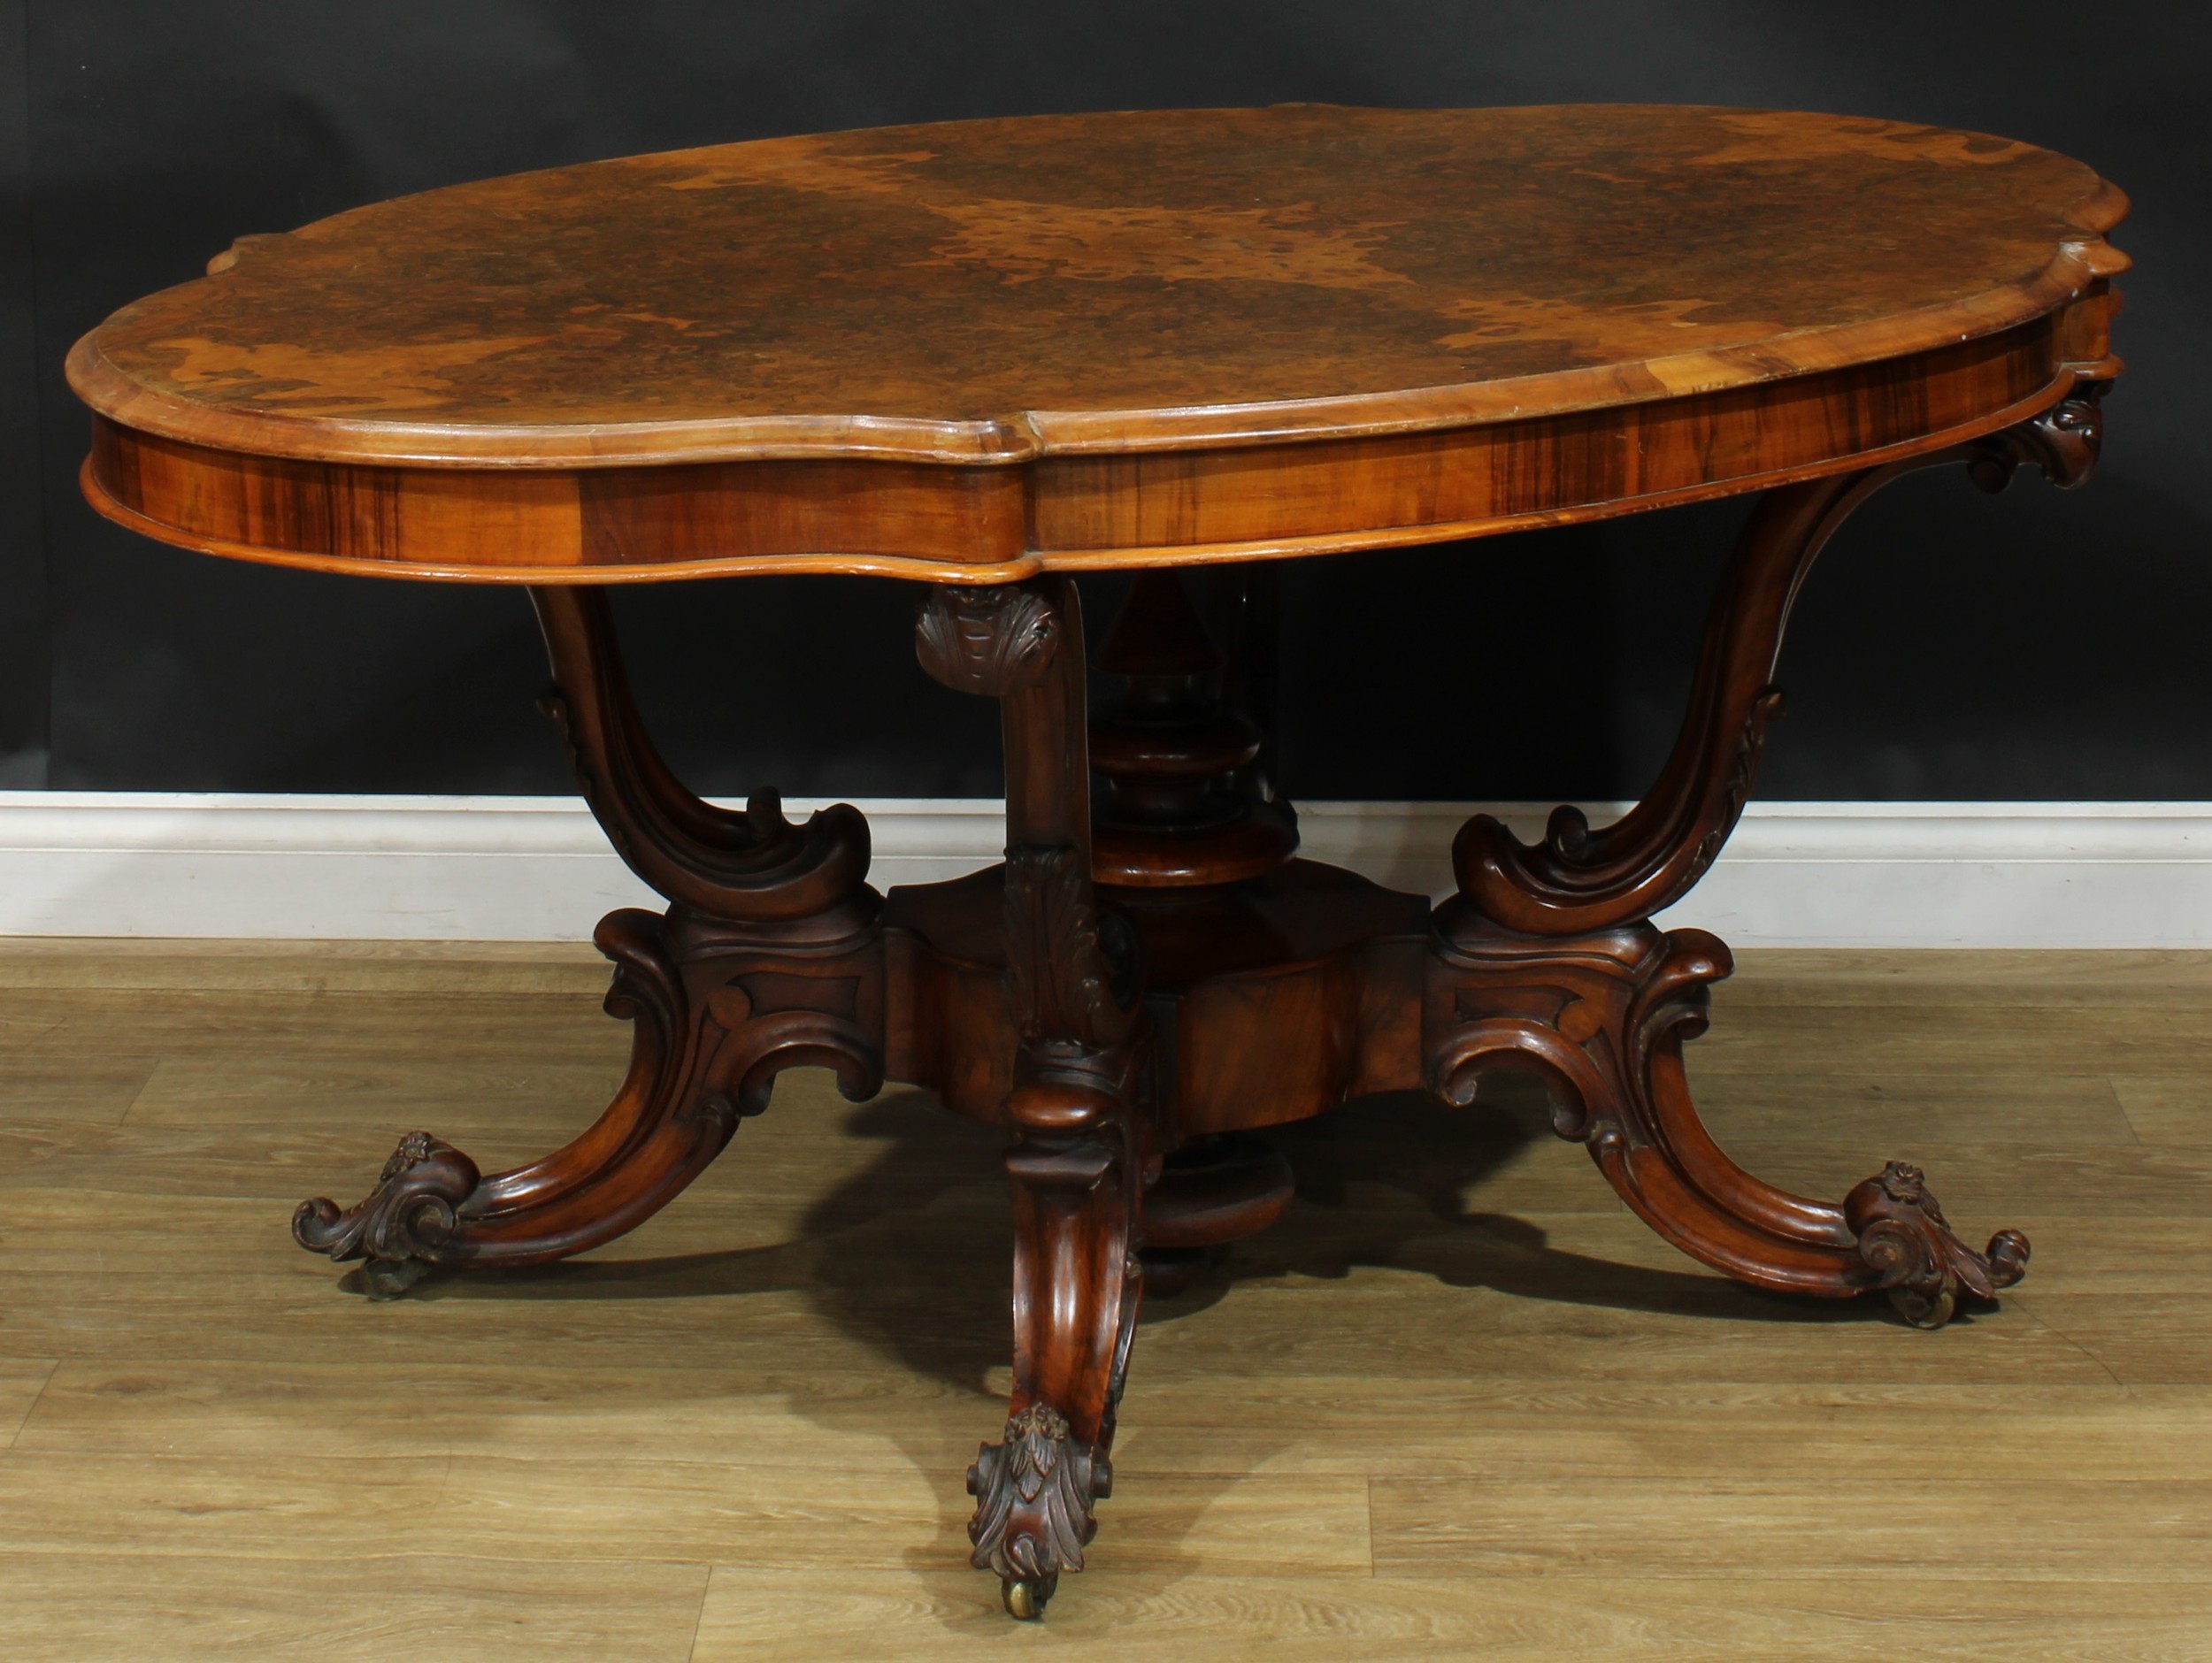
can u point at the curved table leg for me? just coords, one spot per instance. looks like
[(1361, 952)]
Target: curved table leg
[(1546, 954), (768, 959), (1605, 1017), (1076, 1160)]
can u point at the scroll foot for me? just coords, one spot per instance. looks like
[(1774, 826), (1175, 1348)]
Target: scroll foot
[(405, 1222), (1907, 1246), (1033, 1517)]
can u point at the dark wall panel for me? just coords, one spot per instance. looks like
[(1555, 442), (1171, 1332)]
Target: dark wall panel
[(2034, 645), (23, 663)]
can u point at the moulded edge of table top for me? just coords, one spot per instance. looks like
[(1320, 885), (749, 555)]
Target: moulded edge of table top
[(1025, 436)]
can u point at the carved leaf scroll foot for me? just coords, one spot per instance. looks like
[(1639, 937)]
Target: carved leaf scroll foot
[(404, 1224), (1033, 1497), (1908, 1249)]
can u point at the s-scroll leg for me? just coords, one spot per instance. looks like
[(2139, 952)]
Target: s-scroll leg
[(1547, 954), (1605, 1017), (769, 957), (717, 1017)]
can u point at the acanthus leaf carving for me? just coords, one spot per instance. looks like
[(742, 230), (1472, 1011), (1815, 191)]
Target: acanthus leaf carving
[(407, 1221), (990, 641), (1033, 1497), (1910, 1250), (1074, 965)]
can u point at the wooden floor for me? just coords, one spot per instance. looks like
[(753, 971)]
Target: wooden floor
[(1459, 1404)]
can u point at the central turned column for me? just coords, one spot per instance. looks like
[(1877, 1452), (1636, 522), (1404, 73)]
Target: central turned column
[(1185, 817), (1186, 804)]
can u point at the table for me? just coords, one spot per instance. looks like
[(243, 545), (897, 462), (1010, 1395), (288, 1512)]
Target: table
[(988, 356)]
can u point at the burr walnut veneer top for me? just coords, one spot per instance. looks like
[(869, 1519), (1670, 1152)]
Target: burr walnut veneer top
[(1096, 339)]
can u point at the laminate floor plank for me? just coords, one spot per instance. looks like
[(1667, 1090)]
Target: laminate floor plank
[(2126, 979), (278, 1090), (262, 965), (79, 1607), (785, 1617), (1897, 1041), (594, 1509), (2060, 1528), (21, 1380), (93, 1091), (1459, 1402), (2075, 1111), (2168, 1109), (1342, 1425), (458, 1027)]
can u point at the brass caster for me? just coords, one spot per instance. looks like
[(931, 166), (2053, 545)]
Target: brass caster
[(1026, 1600), (1921, 1311), (389, 1279)]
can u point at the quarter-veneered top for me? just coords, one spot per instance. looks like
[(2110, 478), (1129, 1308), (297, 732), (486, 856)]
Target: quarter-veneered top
[(996, 290)]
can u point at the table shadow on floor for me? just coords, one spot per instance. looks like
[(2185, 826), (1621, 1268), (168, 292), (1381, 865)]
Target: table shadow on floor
[(909, 1256), (910, 1253)]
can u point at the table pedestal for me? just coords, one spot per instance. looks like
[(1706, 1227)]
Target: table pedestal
[(1135, 993)]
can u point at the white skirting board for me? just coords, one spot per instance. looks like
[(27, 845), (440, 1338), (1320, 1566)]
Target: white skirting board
[(525, 869)]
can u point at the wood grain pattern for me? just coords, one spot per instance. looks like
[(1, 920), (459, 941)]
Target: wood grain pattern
[(980, 284), (1533, 1402), (976, 351)]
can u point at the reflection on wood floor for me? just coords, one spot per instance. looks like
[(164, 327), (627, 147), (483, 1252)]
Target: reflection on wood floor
[(1459, 1403)]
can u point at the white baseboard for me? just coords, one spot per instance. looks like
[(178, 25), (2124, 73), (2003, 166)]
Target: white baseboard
[(525, 869)]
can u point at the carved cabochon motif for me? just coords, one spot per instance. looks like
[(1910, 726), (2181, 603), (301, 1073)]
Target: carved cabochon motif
[(991, 270)]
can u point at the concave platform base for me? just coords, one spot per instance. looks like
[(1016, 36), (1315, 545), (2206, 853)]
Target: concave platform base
[(1264, 999)]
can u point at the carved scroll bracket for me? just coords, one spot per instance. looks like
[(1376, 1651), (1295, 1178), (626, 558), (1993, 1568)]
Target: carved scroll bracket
[(2064, 442), (1579, 878), (716, 1016)]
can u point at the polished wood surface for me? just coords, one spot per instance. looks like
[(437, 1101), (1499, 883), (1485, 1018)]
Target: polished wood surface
[(1457, 1405), (981, 349), (979, 352)]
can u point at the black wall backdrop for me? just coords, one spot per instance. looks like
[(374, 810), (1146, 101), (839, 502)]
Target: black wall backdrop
[(2032, 646)]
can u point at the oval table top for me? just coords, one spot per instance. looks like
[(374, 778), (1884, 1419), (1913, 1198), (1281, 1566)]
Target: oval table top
[(979, 349)]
